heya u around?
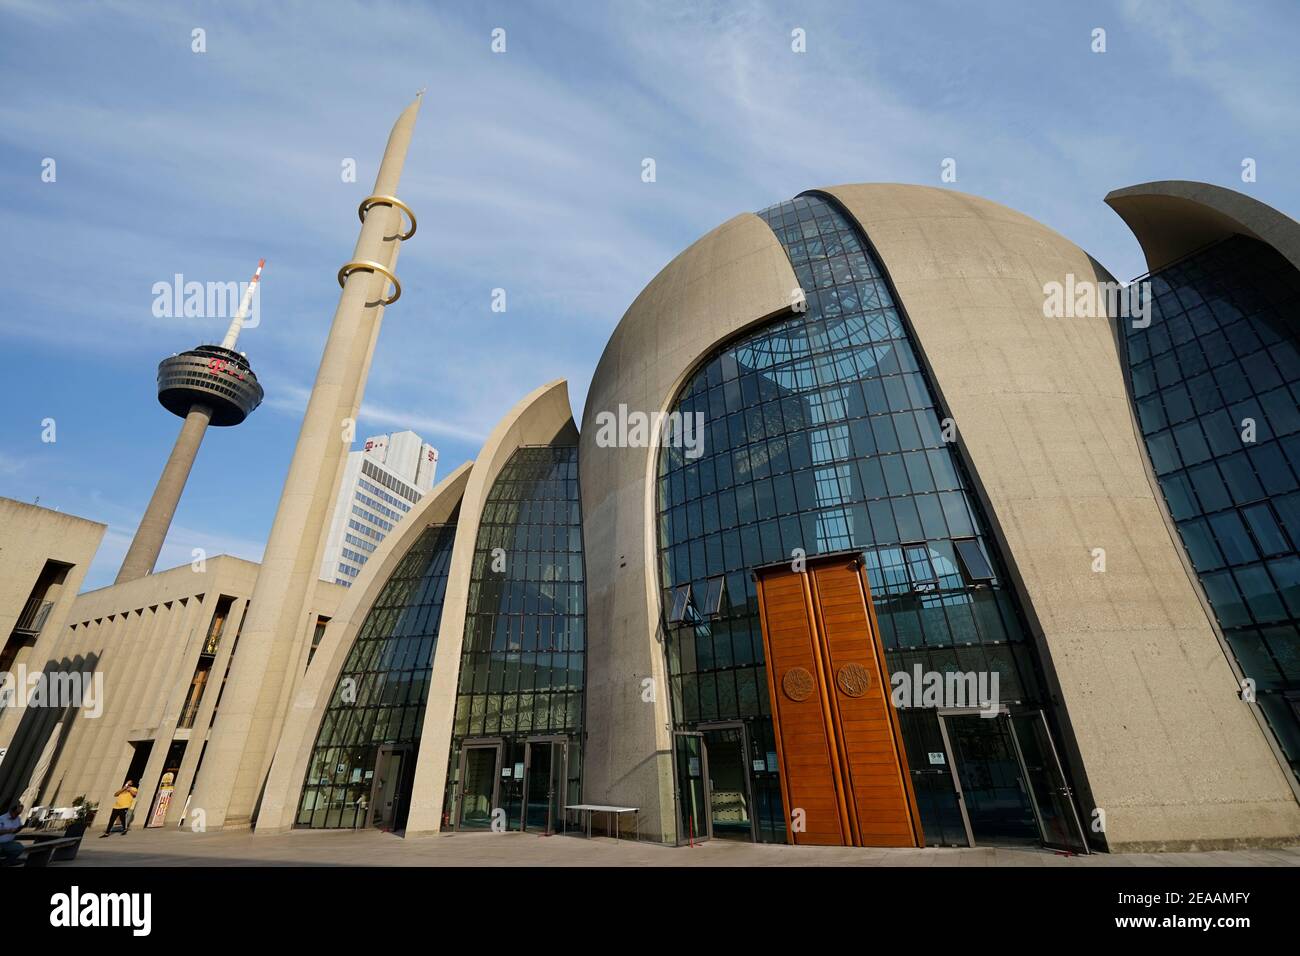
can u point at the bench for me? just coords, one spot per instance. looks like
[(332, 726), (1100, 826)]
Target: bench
[(615, 815), (43, 848)]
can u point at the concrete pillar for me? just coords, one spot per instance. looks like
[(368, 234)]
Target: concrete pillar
[(203, 719), (241, 747), (116, 643), (73, 764), (148, 540), (114, 661), (114, 747), (191, 629)]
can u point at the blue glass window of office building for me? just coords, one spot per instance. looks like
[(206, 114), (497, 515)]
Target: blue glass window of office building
[(1216, 381), (377, 707), (822, 434), (519, 703)]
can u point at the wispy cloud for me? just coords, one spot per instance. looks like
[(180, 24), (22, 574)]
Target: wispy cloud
[(525, 172), (1202, 41)]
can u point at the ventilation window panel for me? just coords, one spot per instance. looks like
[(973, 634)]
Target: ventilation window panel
[(713, 597), (974, 563), (681, 601)]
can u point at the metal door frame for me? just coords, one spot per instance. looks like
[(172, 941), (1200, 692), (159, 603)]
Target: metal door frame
[(551, 739), (956, 778), (404, 750), (745, 766), (704, 775), (478, 743), (1033, 799), (1002, 711)]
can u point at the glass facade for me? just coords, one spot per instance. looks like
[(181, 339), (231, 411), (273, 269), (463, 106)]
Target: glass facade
[(822, 434), (1216, 381), (377, 707), (524, 654)]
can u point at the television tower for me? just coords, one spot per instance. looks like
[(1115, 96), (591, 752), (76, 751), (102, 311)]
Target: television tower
[(208, 385)]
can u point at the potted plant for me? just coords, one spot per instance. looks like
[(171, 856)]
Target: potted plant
[(85, 816)]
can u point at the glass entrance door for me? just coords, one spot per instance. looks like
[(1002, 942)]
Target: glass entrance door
[(545, 774), (479, 776), (385, 794), (729, 801), (993, 792), (692, 788), (1057, 820)]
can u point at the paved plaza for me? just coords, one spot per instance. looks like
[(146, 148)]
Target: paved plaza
[(373, 848)]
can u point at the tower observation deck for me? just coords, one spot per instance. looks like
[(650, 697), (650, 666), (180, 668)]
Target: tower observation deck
[(207, 385), (211, 375)]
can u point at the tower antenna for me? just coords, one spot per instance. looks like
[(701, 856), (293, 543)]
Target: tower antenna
[(237, 323)]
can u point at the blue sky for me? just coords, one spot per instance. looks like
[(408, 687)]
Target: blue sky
[(525, 172)]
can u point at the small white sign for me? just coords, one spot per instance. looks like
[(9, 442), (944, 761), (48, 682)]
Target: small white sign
[(937, 758), (760, 765)]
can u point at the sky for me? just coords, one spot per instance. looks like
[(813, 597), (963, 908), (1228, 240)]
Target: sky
[(526, 174)]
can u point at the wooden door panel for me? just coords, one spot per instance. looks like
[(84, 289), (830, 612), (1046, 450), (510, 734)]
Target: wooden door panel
[(805, 749), (839, 743), (866, 726)]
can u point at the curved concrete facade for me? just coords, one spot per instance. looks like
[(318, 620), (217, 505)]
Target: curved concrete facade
[(1170, 754), (1142, 693), (733, 277), (543, 417), (1161, 744), (289, 767), (1173, 218)]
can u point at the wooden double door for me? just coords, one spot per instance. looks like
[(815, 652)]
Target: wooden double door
[(844, 772)]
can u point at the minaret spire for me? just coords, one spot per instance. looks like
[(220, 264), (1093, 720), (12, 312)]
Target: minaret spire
[(252, 709)]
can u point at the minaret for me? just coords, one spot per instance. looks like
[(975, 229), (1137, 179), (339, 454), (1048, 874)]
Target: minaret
[(256, 692), (208, 385)]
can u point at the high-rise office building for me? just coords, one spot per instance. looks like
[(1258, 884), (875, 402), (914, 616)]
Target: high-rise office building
[(382, 481)]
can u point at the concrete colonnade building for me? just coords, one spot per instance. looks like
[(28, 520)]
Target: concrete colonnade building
[(44, 556)]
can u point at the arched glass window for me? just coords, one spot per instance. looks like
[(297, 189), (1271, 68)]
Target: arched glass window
[(377, 707), (822, 435), (519, 700), (1216, 381)]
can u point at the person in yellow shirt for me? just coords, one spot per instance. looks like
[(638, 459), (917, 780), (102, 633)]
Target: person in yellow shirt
[(123, 801)]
